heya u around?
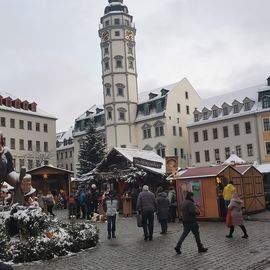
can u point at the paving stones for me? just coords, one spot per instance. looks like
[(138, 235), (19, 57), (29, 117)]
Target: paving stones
[(130, 252)]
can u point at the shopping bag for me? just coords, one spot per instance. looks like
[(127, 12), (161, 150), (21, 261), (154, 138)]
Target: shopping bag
[(139, 220), (228, 218)]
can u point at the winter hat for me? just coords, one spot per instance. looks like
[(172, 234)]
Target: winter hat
[(145, 188), (93, 186), (32, 190)]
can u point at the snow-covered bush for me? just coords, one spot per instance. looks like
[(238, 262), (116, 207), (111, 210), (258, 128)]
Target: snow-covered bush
[(27, 234)]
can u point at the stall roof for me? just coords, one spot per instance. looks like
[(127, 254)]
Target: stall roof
[(203, 171), (244, 168), (51, 168), (131, 153), (263, 168)]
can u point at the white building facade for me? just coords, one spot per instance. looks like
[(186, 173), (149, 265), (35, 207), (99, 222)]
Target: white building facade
[(231, 123), (29, 132)]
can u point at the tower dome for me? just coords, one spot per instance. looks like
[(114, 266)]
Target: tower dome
[(115, 5)]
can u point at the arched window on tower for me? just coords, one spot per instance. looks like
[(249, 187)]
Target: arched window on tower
[(106, 63), (120, 89), (108, 89), (118, 61), (109, 113), (122, 114)]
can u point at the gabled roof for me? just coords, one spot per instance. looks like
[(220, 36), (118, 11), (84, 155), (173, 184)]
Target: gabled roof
[(234, 159), (202, 172), (244, 168), (52, 169), (130, 153)]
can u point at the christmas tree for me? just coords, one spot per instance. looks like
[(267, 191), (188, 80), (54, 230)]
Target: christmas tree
[(92, 149)]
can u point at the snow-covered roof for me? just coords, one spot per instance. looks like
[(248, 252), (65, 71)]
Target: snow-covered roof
[(144, 96), (38, 111), (130, 153), (91, 112), (263, 168), (234, 159)]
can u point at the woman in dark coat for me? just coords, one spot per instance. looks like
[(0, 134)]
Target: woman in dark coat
[(163, 208)]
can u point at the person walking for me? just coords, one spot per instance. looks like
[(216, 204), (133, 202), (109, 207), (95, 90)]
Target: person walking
[(228, 191), (94, 198), (82, 202), (234, 209), (146, 205), (189, 212), (111, 205), (163, 207), (173, 204)]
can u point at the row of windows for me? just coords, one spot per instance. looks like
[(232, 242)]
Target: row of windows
[(118, 64), (22, 145), (22, 124), (61, 155), (236, 108), (225, 130), (227, 151), (129, 50), (29, 163), (66, 167), (179, 153), (117, 21), (121, 114)]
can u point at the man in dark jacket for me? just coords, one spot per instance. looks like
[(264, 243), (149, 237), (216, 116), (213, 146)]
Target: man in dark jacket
[(163, 210), (189, 212), (146, 205)]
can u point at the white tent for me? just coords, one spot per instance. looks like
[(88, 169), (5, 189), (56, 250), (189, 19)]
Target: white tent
[(234, 159)]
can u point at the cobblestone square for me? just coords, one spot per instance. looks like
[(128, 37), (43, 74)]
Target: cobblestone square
[(130, 251)]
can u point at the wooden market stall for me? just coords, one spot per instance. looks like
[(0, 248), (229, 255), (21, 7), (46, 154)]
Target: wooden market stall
[(48, 178), (252, 192), (207, 184)]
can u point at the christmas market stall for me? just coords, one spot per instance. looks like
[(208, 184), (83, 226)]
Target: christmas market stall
[(252, 188), (49, 178), (207, 184), (127, 170)]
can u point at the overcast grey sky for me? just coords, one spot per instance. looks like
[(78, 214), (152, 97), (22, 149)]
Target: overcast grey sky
[(50, 54)]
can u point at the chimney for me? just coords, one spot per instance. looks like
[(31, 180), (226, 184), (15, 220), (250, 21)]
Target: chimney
[(268, 81)]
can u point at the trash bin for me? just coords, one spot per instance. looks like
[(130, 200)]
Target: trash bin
[(127, 206)]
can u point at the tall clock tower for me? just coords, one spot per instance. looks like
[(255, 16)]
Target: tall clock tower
[(119, 74)]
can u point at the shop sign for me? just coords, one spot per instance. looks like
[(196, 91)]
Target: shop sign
[(171, 164), (147, 163)]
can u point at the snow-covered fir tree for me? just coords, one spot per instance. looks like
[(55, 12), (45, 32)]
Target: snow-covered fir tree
[(92, 150)]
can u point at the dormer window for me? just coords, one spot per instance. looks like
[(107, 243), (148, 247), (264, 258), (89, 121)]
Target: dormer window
[(8, 101), (33, 107), (236, 108), (225, 111), (152, 95), (164, 91), (159, 106), (196, 117), (146, 109), (215, 113), (265, 102), (205, 115), (247, 106), (25, 105), (1, 100)]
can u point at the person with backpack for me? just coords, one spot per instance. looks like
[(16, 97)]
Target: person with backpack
[(163, 204), (173, 204)]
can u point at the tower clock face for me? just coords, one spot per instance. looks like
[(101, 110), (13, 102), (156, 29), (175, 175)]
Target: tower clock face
[(105, 35), (129, 35)]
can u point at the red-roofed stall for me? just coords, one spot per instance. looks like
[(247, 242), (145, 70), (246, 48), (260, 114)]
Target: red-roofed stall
[(207, 184)]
